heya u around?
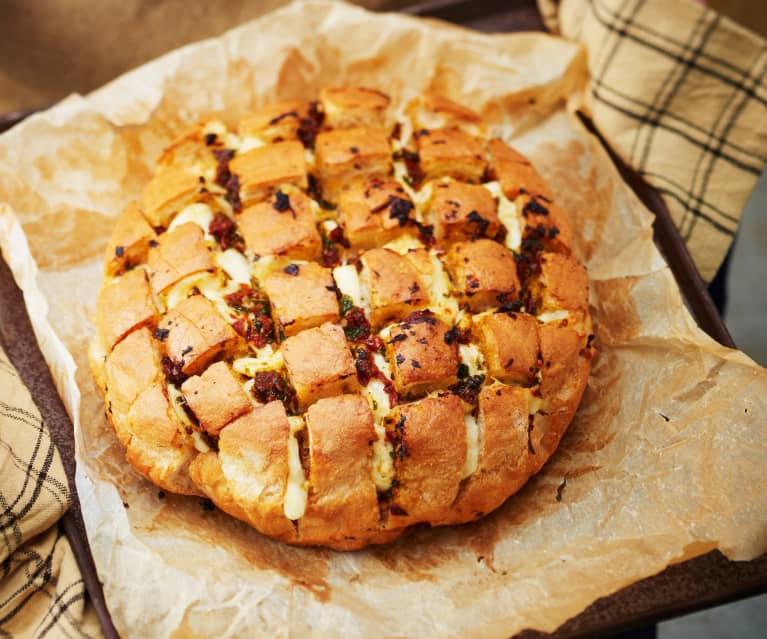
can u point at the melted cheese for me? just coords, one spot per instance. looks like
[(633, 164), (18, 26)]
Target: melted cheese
[(553, 316), (229, 140), (177, 400), (348, 282), (297, 491), (197, 213), (472, 357), (235, 265), (403, 177), (507, 214), (264, 359), (383, 464), (250, 142), (441, 301), (403, 244), (472, 446), (211, 285)]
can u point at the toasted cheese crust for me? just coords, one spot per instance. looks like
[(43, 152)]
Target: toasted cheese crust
[(335, 325)]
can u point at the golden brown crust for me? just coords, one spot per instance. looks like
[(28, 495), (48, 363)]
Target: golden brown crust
[(196, 333), (274, 122), (179, 253), (215, 397), (303, 296), (254, 459), (276, 228), (319, 363), (420, 357), (342, 496), (124, 305), (509, 342), (504, 454), (430, 462), (129, 243), (461, 211), (450, 152), (483, 274), (370, 212), (263, 170), (430, 110), (347, 107), (167, 193), (396, 289), (515, 172), (345, 157), (423, 382)]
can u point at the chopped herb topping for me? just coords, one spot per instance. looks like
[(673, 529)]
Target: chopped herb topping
[(281, 202), (210, 139), (291, 269), (161, 333), (119, 251)]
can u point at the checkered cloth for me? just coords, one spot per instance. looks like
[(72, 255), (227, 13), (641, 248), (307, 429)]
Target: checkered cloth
[(680, 92), (41, 591)]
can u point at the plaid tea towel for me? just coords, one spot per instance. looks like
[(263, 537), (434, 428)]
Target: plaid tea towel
[(680, 93), (42, 593)]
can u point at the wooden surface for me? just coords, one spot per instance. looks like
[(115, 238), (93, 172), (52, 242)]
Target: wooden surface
[(702, 582)]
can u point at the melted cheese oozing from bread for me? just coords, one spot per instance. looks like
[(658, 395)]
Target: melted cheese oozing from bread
[(264, 359), (197, 213), (472, 446), (209, 284), (403, 244), (297, 491), (383, 465), (508, 215), (472, 357), (348, 282), (234, 264), (250, 142), (177, 402), (441, 300), (553, 316)]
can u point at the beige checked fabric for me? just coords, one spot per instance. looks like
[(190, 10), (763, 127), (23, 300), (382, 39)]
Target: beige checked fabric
[(680, 92), (42, 593)]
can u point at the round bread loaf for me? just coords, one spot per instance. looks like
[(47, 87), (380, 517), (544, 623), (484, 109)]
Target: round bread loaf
[(336, 323)]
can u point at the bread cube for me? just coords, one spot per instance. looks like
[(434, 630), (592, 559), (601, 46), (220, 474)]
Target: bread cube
[(515, 172), (193, 148), (347, 107), (430, 450), (302, 296), (129, 243), (319, 364), (484, 274), (396, 289), (179, 253), (167, 193), (215, 397), (283, 225), (261, 171), (429, 110), (450, 152), (374, 213), (546, 222), (274, 122), (345, 157), (342, 496), (253, 450), (131, 368), (152, 418), (462, 211), (509, 342), (503, 451), (562, 284), (196, 333), (124, 305), (420, 358)]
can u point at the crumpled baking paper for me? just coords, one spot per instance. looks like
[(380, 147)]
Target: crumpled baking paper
[(664, 460)]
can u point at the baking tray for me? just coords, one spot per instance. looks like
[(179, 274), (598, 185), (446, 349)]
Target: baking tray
[(702, 582)]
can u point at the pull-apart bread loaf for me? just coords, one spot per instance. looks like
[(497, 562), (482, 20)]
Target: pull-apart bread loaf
[(335, 323)]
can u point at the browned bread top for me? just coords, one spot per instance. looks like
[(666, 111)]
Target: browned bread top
[(338, 322)]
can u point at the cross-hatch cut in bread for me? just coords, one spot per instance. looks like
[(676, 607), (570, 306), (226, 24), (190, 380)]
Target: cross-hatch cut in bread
[(336, 322)]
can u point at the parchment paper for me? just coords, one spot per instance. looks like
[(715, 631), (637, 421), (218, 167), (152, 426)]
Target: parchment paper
[(665, 459)]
